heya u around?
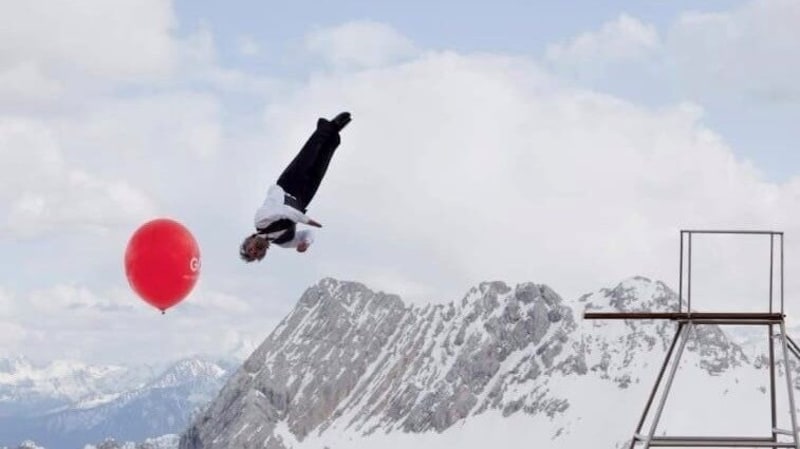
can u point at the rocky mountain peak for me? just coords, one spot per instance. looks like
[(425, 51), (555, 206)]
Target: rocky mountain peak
[(350, 356), (635, 294), (188, 370)]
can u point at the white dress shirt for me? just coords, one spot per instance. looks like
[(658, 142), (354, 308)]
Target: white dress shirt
[(274, 209)]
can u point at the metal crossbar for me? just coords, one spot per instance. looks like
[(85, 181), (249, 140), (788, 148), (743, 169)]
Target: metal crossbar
[(740, 318), (717, 442)]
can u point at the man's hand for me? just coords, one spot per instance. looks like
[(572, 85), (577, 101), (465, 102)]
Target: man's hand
[(312, 222)]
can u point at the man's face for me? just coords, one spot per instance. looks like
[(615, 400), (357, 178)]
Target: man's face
[(256, 248)]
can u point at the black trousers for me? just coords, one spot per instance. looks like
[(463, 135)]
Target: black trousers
[(303, 175)]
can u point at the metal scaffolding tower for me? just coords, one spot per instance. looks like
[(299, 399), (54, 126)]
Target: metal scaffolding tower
[(686, 320)]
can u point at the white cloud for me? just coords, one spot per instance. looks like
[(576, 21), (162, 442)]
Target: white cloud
[(26, 82), (61, 58), (40, 191), (97, 159), (360, 44), (115, 325), (239, 345), (623, 39), (198, 49), (6, 303), (199, 66), (11, 335), (750, 51), (248, 46), (122, 40), (85, 202), (217, 302), (753, 49), (65, 56), (58, 299), (178, 124)]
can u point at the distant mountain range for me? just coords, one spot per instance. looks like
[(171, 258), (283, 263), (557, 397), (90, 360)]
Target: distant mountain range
[(69, 404)]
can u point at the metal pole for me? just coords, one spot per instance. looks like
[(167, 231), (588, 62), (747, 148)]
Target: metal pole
[(689, 279), (658, 383), (773, 402), (793, 345), (730, 322), (685, 331), (771, 262), (782, 274), (789, 383), (680, 279)]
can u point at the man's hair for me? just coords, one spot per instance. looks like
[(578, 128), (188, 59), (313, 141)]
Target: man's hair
[(250, 240)]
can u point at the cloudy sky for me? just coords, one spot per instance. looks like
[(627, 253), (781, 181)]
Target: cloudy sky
[(564, 144)]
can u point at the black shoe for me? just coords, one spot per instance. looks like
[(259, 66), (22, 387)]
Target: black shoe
[(341, 120)]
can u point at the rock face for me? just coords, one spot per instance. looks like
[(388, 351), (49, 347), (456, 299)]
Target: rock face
[(350, 359), (347, 353)]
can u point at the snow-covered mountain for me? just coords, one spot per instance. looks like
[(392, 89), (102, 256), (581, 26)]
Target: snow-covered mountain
[(72, 404), (512, 367), (169, 441), (31, 389), (162, 442)]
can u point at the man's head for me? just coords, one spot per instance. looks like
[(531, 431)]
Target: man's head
[(253, 248)]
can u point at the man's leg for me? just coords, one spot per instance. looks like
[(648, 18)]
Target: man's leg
[(323, 157), (300, 179), (317, 172)]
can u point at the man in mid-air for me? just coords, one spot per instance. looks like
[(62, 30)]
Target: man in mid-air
[(287, 200)]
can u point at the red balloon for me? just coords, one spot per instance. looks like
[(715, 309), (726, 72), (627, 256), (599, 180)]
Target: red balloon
[(162, 262)]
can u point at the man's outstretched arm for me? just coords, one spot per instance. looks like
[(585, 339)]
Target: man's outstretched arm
[(301, 241), (295, 215)]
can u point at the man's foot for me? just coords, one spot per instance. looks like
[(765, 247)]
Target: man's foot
[(341, 120)]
